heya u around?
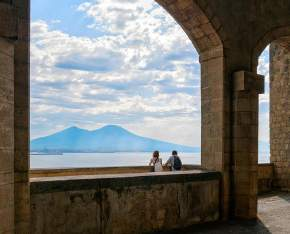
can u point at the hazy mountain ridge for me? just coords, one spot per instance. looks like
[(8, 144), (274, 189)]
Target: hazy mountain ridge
[(110, 138)]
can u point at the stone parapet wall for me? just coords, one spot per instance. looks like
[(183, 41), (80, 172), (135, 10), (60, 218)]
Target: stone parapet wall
[(265, 173), (97, 171), (127, 203), (265, 178), (280, 111)]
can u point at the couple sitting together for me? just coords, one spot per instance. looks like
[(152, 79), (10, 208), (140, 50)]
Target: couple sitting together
[(173, 162)]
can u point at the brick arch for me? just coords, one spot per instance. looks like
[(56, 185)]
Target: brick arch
[(195, 22), (267, 38)]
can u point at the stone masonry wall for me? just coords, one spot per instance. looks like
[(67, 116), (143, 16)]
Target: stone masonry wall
[(280, 111), (265, 177), (6, 137), (123, 204), (21, 116)]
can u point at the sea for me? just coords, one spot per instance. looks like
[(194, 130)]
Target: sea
[(85, 160)]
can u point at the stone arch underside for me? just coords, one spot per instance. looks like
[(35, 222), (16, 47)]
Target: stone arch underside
[(195, 23), (202, 26), (265, 40), (279, 40)]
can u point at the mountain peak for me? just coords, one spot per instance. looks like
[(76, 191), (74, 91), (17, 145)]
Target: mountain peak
[(112, 127), (73, 128)]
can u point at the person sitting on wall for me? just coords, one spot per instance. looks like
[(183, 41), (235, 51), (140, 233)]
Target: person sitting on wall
[(156, 162), (174, 162)]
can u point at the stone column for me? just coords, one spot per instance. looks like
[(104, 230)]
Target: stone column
[(214, 124), (6, 137), (21, 117), (246, 87), (280, 111)]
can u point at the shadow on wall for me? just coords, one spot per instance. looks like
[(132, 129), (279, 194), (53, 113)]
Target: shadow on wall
[(237, 227)]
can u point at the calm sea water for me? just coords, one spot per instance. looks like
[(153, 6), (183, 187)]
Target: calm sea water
[(79, 160)]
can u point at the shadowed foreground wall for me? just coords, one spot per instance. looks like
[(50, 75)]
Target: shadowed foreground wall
[(128, 203), (6, 137), (265, 177)]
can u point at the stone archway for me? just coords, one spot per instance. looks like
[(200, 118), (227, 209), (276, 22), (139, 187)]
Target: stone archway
[(202, 33), (192, 17), (269, 37), (279, 41)]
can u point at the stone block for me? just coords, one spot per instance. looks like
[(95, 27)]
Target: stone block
[(8, 21), (6, 160), (7, 220), (6, 66), (6, 91), (247, 81), (7, 138), (6, 195)]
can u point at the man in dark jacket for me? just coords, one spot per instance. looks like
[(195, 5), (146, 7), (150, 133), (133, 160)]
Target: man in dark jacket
[(174, 162)]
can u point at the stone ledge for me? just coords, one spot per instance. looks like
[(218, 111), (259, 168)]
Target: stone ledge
[(246, 81), (76, 183), (58, 172)]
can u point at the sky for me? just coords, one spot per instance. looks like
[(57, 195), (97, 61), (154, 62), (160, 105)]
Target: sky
[(125, 62)]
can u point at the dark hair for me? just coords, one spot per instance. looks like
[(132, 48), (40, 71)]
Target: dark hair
[(156, 154), (174, 152)]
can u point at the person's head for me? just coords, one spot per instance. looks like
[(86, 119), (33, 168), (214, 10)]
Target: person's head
[(156, 154), (174, 153)]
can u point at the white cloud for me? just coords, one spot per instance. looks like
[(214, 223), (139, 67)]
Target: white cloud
[(141, 71), (263, 69)]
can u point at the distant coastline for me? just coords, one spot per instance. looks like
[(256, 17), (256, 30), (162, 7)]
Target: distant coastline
[(46, 153), (100, 152)]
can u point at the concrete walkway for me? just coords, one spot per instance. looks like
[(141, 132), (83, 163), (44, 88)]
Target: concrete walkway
[(274, 218)]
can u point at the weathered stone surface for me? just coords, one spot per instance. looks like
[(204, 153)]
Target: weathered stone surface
[(265, 178), (139, 203), (247, 86), (8, 21), (21, 117), (280, 111), (6, 137)]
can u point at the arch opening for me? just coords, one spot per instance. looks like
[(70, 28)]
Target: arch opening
[(164, 70), (264, 108)]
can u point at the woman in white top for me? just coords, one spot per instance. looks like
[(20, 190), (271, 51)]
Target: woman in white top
[(156, 162)]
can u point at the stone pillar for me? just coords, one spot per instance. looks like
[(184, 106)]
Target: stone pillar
[(214, 124), (246, 87), (6, 137), (21, 118), (280, 111)]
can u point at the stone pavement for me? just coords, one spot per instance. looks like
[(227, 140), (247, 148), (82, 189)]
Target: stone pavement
[(274, 218)]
